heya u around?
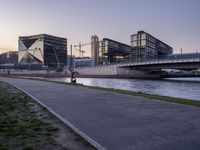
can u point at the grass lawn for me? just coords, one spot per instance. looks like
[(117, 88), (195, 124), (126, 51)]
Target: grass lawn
[(25, 125)]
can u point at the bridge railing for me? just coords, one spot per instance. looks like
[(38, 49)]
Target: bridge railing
[(153, 61), (158, 60)]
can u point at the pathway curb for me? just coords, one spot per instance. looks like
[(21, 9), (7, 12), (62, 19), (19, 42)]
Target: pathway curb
[(75, 129)]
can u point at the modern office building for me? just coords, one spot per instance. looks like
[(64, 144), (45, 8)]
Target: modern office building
[(143, 47), (83, 61), (95, 50), (10, 57), (43, 50), (184, 56), (112, 51), (147, 47)]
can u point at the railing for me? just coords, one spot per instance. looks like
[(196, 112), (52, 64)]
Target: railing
[(159, 61), (150, 61), (155, 61)]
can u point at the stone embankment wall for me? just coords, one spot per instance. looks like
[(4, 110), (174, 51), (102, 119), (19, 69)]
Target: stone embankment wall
[(114, 71)]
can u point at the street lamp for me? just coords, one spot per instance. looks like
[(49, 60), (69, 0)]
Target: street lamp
[(73, 73)]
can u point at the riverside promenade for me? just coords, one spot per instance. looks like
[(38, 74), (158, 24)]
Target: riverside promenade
[(116, 121)]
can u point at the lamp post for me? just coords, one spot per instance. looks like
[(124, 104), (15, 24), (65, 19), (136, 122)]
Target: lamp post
[(73, 74), (71, 69)]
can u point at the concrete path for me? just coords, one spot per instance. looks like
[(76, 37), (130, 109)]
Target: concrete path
[(120, 122)]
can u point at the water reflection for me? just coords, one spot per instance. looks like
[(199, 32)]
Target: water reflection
[(188, 88)]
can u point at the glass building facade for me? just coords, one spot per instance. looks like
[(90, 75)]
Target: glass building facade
[(82, 62), (147, 47), (113, 51), (185, 56), (43, 49)]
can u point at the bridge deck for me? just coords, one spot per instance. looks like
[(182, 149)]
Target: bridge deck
[(156, 62)]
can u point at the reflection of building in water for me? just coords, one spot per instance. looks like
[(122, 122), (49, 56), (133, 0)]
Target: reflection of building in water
[(43, 49)]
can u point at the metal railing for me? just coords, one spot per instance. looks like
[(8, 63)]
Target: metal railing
[(154, 61)]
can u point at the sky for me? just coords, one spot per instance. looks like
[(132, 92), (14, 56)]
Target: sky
[(176, 22)]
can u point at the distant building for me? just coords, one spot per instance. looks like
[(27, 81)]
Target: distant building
[(10, 57), (143, 47), (70, 62), (148, 47), (184, 56), (95, 50), (83, 61), (43, 49), (113, 51)]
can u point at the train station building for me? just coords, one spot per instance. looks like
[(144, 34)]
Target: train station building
[(143, 47)]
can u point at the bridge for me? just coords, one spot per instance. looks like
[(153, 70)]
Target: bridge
[(143, 69), (179, 64)]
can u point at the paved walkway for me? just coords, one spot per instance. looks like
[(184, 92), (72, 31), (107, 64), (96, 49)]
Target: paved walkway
[(120, 122)]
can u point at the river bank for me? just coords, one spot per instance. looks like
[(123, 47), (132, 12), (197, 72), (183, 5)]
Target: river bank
[(186, 88), (132, 93)]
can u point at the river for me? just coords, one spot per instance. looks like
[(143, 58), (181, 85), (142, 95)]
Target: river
[(188, 88)]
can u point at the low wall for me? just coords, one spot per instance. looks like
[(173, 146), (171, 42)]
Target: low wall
[(98, 70), (115, 71)]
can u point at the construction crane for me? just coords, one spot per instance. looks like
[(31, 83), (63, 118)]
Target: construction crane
[(81, 52)]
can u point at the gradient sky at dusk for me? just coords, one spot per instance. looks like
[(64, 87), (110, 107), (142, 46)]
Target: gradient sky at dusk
[(176, 22)]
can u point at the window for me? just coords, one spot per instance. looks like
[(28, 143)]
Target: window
[(134, 43), (143, 36), (143, 43), (106, 42), (134, 38)]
